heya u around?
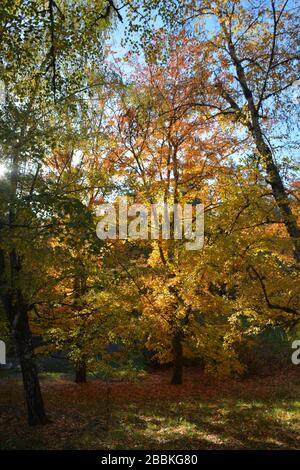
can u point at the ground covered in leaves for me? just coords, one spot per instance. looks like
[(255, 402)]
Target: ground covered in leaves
[(204, 413)]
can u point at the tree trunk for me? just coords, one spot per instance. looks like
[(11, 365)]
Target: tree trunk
[(278, 190), (273, 177), (80, 377), (177, 360), (17, 314), (33, 396), (79, 290), (16, 308)]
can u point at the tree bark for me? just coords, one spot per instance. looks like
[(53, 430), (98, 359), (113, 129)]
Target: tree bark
[(80, 366), (278, 189), (273, 177), (177, 377), (33, 396), (17, 314), (15, 306), (80, 377)]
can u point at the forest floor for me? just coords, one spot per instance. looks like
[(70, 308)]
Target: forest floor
[(203, 413)]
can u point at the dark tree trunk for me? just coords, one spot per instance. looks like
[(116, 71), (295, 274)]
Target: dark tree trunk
[(80, 377), (80, 366), (17, 315), (278, 189), (16, 308), (273, 177), (23, 340), (33, 396), (177, 377)]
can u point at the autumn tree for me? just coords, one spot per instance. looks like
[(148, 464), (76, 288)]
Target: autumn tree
[(165, 147), (252, 51), (47, 50), (168, 153), (65, 318)]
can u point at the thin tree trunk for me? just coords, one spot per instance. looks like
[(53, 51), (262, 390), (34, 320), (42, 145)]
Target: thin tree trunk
[(273, 177), (278, 190), (79, 290), (18, 317), (33, 396), (17, 314), (177, 377), (80, 377), (14, 303)]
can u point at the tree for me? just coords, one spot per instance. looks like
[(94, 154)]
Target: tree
[(47, 50), (166, 148), (253, 55), (167, 153)]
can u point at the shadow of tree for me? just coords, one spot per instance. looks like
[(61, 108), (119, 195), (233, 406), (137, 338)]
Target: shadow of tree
[(225, 425)]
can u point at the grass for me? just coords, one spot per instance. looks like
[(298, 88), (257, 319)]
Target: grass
[(204, 413)]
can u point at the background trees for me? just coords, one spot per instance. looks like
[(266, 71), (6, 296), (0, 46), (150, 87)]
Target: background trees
[(203, 115)]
